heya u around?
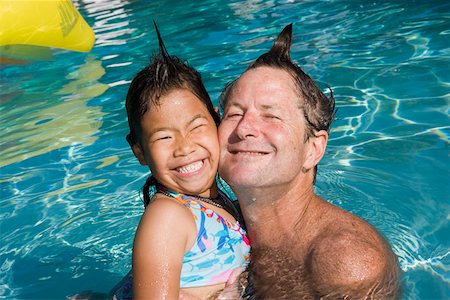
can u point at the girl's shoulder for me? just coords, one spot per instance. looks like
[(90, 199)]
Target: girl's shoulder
[(166, 219), (164, 207), (168, 214)]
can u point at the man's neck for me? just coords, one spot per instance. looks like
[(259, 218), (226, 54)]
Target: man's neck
[(272, 214)]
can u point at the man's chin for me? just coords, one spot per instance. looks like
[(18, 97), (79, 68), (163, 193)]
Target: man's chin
[(241, 181), (243, 169)]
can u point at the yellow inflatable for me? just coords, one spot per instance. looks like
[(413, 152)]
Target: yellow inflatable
[(48, 23)]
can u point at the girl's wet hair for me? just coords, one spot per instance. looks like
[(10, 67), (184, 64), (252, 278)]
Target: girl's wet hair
[(164, 74), (318, 109)]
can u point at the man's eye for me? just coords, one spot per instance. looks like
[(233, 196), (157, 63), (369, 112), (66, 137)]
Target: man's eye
[(270, 116), (234, 115)]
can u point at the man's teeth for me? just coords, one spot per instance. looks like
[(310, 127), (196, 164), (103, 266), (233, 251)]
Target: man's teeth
[(250, 153), (191, 167)]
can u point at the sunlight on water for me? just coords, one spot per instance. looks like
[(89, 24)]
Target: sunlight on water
[(46, 128), (71, 186)]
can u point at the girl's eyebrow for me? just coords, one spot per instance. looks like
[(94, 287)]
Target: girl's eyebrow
[(196, 117), (159, 129)]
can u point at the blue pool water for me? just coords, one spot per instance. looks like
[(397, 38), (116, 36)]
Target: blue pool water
[(70, 185)]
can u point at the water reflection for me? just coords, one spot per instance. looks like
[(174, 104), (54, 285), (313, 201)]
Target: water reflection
[(70, 185), (52, 126)]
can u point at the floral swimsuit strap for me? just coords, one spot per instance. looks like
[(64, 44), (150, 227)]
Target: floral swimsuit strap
[(229, 205)]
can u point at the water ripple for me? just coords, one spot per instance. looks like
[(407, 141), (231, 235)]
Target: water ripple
[(71, 186)]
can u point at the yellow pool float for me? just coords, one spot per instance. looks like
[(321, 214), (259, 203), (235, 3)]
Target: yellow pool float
[(50, 23)]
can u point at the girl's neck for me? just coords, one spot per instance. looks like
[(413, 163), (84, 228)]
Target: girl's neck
[(211, 192), (214, 198)]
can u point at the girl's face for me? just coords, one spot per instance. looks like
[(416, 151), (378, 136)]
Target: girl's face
[(179, 144)]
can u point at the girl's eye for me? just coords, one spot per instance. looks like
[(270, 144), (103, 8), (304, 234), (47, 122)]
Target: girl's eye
[(162, 138), (198, 126)]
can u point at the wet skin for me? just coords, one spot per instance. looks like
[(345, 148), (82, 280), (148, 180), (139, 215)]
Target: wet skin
[(302, 246), (179, 143)]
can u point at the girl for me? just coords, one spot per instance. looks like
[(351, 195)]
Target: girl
[(188, 238)]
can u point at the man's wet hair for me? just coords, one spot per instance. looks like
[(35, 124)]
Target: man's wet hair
[(318, 109), (164, 74)]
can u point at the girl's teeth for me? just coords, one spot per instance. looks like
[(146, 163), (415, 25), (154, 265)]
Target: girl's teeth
[(191, 167)]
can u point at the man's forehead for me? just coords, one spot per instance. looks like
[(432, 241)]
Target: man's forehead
[(267, 86), (266, 78)]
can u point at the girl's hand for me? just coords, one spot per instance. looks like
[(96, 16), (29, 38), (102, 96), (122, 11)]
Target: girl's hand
[(234, 286)]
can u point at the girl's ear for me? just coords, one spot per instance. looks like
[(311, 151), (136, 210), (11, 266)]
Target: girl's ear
[(137, 150), (316, 149)]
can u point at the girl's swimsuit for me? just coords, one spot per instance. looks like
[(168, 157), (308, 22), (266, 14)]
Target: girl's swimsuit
[(220, 247)]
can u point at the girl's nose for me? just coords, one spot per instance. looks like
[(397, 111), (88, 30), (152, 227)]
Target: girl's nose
[(184, 146)]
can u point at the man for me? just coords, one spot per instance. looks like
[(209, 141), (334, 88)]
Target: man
[(273, 134)]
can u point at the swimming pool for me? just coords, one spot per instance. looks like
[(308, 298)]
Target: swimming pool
[(70, 185)]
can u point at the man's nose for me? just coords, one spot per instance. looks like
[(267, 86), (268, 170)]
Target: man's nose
[(184, 146), (247, 126)]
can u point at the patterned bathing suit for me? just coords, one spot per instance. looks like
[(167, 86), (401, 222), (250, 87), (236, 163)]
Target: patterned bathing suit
[(220, 247)]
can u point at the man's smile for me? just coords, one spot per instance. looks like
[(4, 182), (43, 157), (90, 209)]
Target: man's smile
[(249, 153), (249, 150)]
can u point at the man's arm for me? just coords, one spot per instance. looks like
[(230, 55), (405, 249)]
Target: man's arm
[(355, 264)]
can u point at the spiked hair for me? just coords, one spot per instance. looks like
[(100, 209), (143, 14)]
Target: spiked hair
[(318, 109), (164, 74)]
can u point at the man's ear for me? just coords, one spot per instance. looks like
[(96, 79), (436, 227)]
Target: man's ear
[(217, 110), (137, 150), (316, 149)]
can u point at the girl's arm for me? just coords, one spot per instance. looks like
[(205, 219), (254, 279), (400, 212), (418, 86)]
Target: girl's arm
[(166, 231)]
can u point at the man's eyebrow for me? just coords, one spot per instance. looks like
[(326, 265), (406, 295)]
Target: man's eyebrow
[(268, 107), (234, 104), (265, 106)]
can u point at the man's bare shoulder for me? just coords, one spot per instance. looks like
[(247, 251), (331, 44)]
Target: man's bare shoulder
[(349, 257)]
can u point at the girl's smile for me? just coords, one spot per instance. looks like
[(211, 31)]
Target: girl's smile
[(179, 143), (191, 168)]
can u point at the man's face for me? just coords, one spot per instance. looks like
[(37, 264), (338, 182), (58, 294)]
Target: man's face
[(262, 132)]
